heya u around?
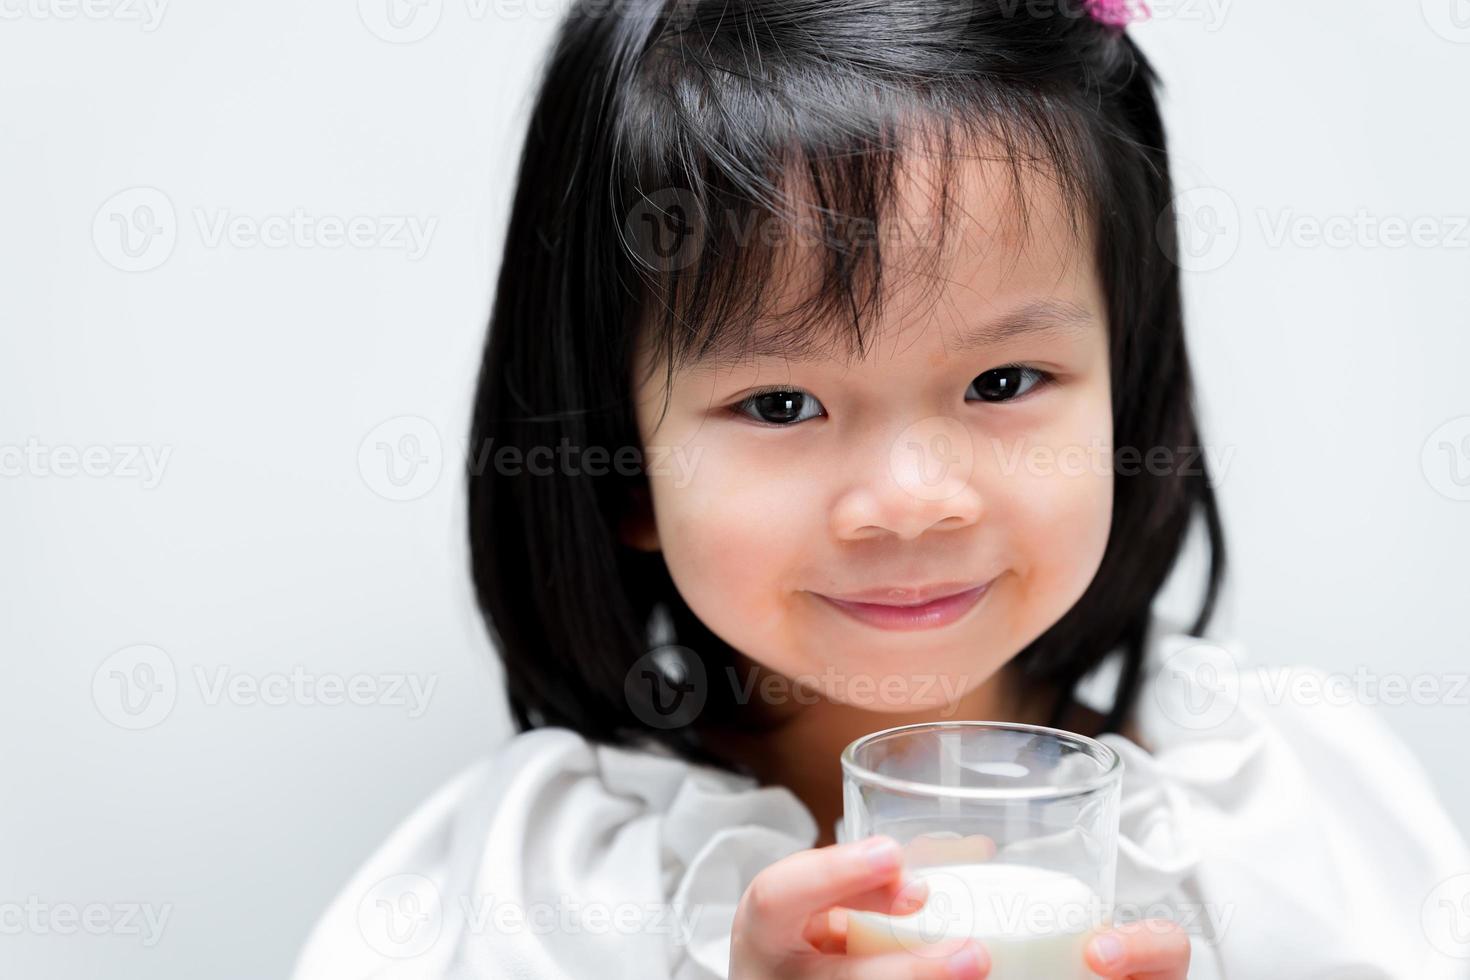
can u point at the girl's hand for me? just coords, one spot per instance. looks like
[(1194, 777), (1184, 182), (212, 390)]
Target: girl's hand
[(1151, 949), (789, 926)]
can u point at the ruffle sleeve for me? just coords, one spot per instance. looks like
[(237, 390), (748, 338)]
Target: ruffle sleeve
[(1292, 834), (560, 858)]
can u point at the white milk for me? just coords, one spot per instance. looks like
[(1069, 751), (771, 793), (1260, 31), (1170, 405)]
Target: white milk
[(1034, 922)]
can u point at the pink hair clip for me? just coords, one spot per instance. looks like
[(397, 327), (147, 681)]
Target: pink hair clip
[(1117, 13)]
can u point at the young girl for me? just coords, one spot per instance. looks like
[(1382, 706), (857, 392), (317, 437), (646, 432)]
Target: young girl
[(836, 381)]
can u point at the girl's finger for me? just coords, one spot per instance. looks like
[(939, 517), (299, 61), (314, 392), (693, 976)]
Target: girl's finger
[(783, 897), (897, 896), (970, 962), (1152, 949), (827, 930)]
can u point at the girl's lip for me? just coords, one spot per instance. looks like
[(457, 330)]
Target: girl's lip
[(930, 615)]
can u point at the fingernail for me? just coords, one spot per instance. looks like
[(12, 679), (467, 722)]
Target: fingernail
[(883, 854), (964, 965), (1107, 949), (912, 896)]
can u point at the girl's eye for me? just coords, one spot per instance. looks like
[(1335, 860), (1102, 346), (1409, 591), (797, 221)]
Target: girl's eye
[(1004, 383), (780, 407), (783, 406)]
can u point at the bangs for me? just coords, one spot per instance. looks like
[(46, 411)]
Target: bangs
[(762, 198)]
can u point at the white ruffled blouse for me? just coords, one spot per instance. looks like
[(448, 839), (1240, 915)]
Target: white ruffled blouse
[(1293, 837)]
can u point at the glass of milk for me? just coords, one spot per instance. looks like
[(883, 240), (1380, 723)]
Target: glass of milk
[(1013, 827)]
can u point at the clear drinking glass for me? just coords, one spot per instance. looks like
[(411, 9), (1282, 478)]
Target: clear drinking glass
[(1014, 828)]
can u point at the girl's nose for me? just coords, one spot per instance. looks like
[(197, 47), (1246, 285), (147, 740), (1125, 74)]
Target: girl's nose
[(921, 481)]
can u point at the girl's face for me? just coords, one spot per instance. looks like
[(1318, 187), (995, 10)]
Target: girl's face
[(968, 452)]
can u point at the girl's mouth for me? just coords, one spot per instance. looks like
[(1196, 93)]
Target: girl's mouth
[(928, 615)]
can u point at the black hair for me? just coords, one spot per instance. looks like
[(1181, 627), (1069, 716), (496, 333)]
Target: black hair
[(695, 117)]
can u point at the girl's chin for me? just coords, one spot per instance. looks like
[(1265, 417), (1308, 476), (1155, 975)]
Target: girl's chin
[(890, 692)]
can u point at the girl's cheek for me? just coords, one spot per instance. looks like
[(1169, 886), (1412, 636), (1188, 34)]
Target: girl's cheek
[(1064, 520), (1049, 485), (737, 521)]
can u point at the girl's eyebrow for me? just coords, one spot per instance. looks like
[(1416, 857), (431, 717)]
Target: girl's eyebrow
[(1040, 316)]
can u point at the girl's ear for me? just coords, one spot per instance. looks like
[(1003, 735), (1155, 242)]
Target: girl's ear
[(638, 528)]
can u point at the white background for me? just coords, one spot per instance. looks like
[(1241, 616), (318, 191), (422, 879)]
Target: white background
[(268, 545)]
